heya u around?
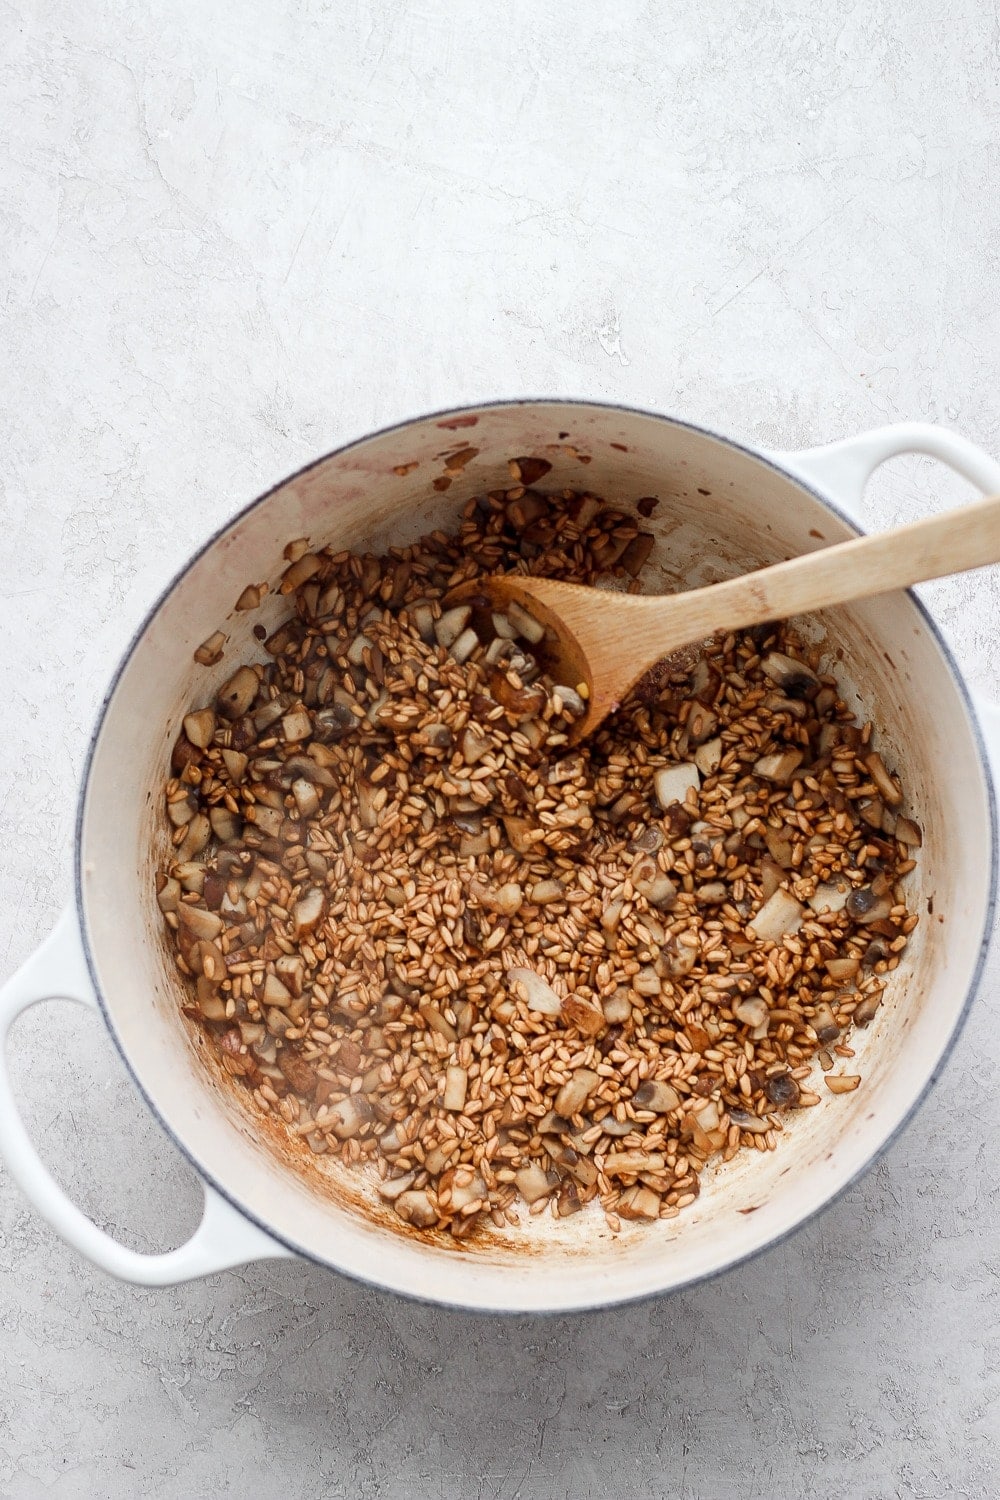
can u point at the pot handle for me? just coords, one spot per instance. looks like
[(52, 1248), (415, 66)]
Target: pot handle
[(224, 1237), (844, 468)]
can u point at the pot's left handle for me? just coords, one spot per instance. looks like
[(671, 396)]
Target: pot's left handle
[(224, 1238)]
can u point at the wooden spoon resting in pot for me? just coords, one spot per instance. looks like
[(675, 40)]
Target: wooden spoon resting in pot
[(607, 641)]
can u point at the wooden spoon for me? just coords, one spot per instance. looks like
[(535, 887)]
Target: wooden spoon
[(606, 641)]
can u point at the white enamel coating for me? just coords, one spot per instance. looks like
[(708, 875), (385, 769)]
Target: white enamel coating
[(843, 469), (224, 1237), (722, 509)]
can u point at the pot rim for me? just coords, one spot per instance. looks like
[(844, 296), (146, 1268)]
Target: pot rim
[(624, 1299)]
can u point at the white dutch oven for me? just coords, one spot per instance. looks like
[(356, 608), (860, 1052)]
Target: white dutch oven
[(724, 508)]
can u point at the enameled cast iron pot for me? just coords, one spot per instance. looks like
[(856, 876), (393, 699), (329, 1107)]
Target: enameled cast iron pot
[(724, 507)]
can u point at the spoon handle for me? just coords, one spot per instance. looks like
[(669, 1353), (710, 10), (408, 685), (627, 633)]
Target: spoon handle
[(948, 543)]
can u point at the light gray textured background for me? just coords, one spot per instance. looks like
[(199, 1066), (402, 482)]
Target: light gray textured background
[(230, 237)]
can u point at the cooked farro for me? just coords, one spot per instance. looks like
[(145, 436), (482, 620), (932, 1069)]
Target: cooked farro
[(506, 975)]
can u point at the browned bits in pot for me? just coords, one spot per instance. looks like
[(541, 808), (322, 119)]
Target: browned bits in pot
[(434, 941)]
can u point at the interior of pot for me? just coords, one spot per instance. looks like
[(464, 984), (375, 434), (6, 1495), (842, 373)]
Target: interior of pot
[(722, 510)]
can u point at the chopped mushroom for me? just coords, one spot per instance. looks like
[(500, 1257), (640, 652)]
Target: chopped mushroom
[(865, 905), (574, 1094), (887, 786), (647, 982), (349, 1116), (391, 1187), (639, 1203), (209, 653), (236, 695), (877, 952), (301, 570), (649, 880), (842, 1083), (290, 969), (567, 1199), (438, 1022), (207, 959), (708, 756), (780, 916), (713, 892), (576, 1164), (617, 1007), (225, 824), (842, 969), (537, 993), (779, 846), (456, 1085), (533, 1182), (474, 746), (367, 808), (908, 832), (829, 898), (746, 1121), (782, 1090), (236, 764), (636, 554), (505, 899), (451, 625), (524, 624), (461, 649), (544, 892), (701, 724), (657, 1096), (864, 1011), (459, 1187), (276, 993), (751, 1011), (569, 698), (297, 725), (200, 727), (415, 1208), (310, 910), (824, 1023), (780, 767), (306, 797), (199, 922), (168, 894), (626, 1163), (191, 875), (251, 596), (585, 1017), (673, 783), (268, 819), (793, 677), (181, 808)]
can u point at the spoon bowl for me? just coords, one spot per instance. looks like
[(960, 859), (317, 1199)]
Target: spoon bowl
[(600, 643)]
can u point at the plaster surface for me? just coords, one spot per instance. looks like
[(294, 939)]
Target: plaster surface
[(233, 235)]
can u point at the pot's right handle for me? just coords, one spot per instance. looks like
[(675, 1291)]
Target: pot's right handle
[(844, 468), (224, 1237)]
